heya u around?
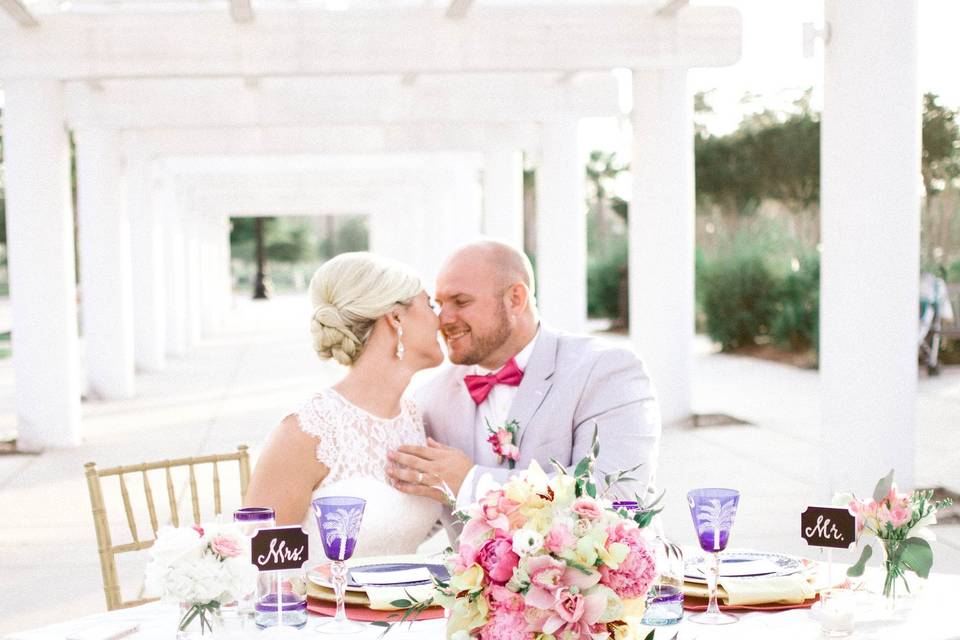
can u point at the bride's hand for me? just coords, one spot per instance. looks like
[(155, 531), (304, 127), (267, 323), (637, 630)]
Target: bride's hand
[(435, 471)]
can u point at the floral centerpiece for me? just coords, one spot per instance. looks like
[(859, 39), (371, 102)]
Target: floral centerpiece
[(202, 569), (544, 558), (900, 521)]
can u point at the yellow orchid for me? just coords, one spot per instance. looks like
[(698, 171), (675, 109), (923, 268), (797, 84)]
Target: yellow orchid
[(467, 615)]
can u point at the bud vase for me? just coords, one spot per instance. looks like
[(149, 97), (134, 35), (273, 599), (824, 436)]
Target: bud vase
[(199, 620)]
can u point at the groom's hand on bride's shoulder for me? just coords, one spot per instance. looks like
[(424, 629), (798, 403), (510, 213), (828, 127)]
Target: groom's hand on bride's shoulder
[(423, 471)]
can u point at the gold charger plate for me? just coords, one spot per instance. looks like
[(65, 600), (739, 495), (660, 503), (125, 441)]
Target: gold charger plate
[(350, 597)]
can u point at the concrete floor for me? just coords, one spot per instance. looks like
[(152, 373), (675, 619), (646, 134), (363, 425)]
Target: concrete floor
[(234, 388)]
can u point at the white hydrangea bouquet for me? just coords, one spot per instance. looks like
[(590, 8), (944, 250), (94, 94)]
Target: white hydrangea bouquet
[(202, 568)]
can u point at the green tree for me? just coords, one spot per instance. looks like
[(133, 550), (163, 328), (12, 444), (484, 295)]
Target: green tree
[(940, 161)]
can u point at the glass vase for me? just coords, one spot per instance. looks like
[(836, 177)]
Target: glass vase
[(199, 620), (900, 585)]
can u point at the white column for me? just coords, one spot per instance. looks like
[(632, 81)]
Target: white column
[(149, 292), (210, 276), (40, 259), (870, 201), (192, 275), (176, 279), (106, 290), (561, 229), (661, 235), (503, 195)]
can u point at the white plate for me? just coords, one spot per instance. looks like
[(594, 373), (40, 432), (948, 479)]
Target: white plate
[(744, 565)]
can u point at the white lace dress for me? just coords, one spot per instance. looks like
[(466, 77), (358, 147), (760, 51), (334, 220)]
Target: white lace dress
[(353, 444)]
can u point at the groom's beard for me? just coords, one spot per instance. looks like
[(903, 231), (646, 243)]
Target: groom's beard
[(485, 344)]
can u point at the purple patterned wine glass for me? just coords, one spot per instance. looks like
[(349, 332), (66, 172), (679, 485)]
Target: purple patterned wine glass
[(338, 521), (713, 511)]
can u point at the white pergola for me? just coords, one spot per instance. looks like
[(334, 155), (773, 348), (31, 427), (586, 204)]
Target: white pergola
[(188, 111)]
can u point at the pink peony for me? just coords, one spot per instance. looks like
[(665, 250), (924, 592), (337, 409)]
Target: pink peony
[(506, 624), (588, 508), (559, 539), (636, 573), (498, 558), (465, 559), (226, 547)]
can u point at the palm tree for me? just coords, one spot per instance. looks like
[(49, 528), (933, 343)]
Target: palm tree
[(343, 524), (716, 516)]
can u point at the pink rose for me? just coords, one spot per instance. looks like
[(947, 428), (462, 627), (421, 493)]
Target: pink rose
[(226, 547), (588, 508), (498, 558), (559, 539)]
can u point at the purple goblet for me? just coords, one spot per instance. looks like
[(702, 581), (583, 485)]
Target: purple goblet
[(338, 520), (713, 511)]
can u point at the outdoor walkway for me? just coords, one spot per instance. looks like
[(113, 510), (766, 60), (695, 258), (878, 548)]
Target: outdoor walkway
[(235, 388)]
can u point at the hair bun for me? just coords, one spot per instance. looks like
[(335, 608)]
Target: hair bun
[(331, 337)]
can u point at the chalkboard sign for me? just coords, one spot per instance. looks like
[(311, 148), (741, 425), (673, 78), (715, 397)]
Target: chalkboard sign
[(828, 527), (279, 548)]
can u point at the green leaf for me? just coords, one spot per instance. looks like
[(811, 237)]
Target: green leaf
[(591, 490), (650, 635), (401, 604), (582, 467), (856, 570), (380, 623), (883, 487), (917, 555)]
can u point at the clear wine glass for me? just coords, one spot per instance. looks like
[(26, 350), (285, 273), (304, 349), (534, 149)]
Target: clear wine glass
[(713, 511), (338, 520)]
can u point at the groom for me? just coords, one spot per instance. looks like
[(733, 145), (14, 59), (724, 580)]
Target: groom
[(508, 366)]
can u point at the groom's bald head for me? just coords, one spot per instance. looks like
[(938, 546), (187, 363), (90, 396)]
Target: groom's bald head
[(487, 307), (501, 263)]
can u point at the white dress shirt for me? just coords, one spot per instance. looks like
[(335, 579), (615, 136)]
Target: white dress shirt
[(494, 411)]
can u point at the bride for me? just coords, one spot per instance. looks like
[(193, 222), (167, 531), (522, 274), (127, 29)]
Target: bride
[(373, 316)]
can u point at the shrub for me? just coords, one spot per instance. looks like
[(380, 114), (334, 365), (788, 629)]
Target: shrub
[(737, 292), (796, 321), (603, 281)]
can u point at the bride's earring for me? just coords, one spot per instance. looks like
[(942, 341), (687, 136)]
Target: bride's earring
[(400, 348)]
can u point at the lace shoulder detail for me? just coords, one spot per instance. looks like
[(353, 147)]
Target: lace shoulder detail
[(353, 442)]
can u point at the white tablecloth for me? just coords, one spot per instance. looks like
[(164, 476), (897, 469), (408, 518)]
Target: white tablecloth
[(935, 616)]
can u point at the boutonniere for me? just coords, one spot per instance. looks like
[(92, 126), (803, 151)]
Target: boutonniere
[(503, 442)]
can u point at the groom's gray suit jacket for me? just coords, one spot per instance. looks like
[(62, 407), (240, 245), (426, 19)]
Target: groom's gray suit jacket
[(570, 383)]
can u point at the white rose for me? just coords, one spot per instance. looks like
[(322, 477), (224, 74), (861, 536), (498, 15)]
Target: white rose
[(174, 544), (527, 542)]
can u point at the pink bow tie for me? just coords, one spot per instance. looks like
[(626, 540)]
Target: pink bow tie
[(481, 386)]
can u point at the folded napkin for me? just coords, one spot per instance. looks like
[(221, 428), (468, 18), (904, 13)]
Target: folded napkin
[(792, 589), (381, 597)]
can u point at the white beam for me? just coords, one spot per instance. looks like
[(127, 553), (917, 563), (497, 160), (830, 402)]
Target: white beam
[(394, 41), (241, 11), (19, 12), (331, 140), (497, 98)]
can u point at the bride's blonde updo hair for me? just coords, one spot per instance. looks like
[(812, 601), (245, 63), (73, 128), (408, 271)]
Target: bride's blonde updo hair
[(349, 294)]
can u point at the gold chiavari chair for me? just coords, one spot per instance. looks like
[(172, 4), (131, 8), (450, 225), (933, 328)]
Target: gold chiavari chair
[(109, 551)]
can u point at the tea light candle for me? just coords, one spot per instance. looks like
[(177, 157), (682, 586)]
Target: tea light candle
[(837, 612)]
